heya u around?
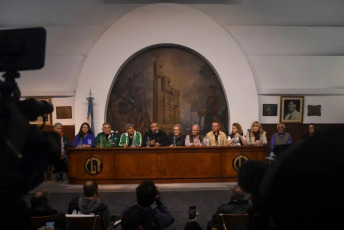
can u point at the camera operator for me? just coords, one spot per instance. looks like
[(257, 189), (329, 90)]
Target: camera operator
[(25, 150), (142, 215)]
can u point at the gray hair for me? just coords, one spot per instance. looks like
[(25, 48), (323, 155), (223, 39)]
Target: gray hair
[(196, 126), (130, 125), (105, 123), (57, 124)]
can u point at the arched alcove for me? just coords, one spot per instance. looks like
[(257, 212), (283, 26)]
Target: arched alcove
[(168, 84), (167, 24)]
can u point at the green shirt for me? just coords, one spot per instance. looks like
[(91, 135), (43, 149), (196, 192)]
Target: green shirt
[(111, 141), (137, 139)]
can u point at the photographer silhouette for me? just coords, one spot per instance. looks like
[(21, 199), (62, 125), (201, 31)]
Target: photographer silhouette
[(25, 150)]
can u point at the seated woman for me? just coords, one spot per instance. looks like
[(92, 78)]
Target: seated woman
[(256, 135), (236, 136), (311, 130), (84, 138)]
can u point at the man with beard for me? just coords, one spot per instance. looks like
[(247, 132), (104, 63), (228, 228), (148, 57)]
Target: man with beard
[(156, 136)]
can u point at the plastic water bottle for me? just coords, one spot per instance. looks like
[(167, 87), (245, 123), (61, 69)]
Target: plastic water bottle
[(237, 141), (116, 138), (207, 141), (148, 142), (174, 141), (80, 143), (101, 144)]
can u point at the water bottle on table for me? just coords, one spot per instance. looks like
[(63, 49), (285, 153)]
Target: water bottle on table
[(207, 141), (115, 139), (101, 144), (148, 142), (237, 141)]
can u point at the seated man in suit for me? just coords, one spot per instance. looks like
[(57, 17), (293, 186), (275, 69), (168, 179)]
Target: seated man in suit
[(90, 203), (293, 114), (61, 165)]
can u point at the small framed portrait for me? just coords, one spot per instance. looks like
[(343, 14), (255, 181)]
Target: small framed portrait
[(291, 109), (269, 109), (48, 119)]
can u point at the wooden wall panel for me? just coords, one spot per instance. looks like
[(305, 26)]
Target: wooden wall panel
[(163, 164)]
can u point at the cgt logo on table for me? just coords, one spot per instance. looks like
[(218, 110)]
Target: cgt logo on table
[(93, 165), (238, 160)]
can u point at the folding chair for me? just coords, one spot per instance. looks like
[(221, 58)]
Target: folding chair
[(38, 221), (233, 221), (84, 222)]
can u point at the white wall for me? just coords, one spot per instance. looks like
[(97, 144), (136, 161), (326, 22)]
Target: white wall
[(289, 58), (331, 109), (172, 24)]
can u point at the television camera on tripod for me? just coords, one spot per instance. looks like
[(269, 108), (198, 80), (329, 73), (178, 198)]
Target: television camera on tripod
[(25, 149)]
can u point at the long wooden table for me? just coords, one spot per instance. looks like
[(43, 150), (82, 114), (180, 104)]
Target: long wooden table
[(162, 164)]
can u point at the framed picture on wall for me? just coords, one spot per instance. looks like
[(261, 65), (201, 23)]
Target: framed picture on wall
[(291, 109), (269, 109), (48, 119)]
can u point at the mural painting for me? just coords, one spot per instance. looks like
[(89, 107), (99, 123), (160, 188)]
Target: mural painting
[(169, 85)]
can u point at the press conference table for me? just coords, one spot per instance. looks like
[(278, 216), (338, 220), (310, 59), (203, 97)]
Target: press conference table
[(160, 164)]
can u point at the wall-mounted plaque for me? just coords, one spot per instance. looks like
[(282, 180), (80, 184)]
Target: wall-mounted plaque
[(314, 110), (63, 112)]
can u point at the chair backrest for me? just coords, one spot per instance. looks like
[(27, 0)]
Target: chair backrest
[(232, 221), (38, 221), (84, 222)]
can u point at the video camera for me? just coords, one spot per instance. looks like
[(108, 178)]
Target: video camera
[(25, 149)]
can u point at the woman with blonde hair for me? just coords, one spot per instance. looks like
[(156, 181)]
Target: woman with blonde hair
[(236, 137), (256, 135)]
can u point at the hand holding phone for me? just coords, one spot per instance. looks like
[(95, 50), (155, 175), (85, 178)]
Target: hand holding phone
[(115, 221), (158, 197), (49, 225), (192, 212)]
